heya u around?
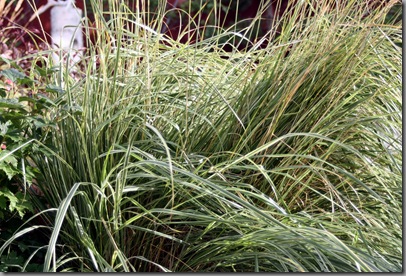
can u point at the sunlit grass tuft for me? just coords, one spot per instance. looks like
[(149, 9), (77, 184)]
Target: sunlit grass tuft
[(174, 157)]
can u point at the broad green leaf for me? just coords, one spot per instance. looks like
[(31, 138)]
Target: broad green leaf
[(11, 197), (13, 74), (4, 127), (16, 76), (51, 88), (3, 201), (10, 103), (7, 158)]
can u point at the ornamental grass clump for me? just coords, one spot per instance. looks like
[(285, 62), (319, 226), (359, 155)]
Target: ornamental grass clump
[(185, 157)]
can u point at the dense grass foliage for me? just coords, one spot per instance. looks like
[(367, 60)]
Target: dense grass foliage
[(174, 157)]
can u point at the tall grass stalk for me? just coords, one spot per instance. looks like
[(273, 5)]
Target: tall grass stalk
[(174, 157)]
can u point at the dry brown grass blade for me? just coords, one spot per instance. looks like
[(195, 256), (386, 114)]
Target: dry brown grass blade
[(2, 5), (17, 10)]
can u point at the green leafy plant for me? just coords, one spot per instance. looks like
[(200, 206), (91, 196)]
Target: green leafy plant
[(21, 121), (12, 125)]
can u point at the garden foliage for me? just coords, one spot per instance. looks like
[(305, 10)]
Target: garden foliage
[(156, 155)]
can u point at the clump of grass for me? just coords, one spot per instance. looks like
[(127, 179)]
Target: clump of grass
[(173, 157)]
